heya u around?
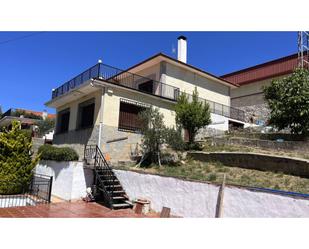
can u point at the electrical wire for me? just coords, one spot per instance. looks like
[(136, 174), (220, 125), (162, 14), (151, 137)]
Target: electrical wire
[(21, 37)]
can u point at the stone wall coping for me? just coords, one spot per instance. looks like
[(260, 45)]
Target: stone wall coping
[(165, 176), (249, 153), (262, 140), (42, 161)]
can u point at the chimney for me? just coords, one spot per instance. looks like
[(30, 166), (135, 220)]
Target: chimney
[(182, 49)]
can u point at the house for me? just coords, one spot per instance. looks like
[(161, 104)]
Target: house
[(28, 118), (249, 96), (101, 105)]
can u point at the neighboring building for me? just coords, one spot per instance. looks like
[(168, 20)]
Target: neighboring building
[(101, 105), (249, 96), (27, 118)]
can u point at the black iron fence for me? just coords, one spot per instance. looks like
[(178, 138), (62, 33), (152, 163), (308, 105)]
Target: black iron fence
[(37, 191), (142, 84)]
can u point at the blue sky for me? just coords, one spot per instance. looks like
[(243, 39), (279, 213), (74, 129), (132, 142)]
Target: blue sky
[(31, 67)]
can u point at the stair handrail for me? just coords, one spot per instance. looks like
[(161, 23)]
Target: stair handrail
[(101, 163)]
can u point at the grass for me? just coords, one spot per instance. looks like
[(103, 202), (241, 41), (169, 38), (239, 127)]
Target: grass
[(243, 148), (213, 172), (226, 148)]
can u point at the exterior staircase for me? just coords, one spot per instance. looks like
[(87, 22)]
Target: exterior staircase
[(107, 189)]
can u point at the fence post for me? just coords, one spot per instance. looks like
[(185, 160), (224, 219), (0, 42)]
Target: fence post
[(219, 206), (50, 188), (85, 152)]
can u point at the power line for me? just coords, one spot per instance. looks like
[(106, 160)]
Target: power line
[(21, 37)]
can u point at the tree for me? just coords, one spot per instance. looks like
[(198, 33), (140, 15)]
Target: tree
[(153, 130), (288, 100), (16, 163), (45, 125), (192, 115)]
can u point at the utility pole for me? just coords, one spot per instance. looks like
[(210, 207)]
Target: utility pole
[(303, 49)]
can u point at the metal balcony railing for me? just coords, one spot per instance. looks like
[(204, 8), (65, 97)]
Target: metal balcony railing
[(142, 84), (223, 110)]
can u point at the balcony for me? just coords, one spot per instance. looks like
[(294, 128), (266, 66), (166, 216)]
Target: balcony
[(116, 76), (139, 83)]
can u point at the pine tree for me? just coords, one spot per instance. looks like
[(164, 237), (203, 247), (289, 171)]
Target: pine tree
[(192, 115), (16, 163)]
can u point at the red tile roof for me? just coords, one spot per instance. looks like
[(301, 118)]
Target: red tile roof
[(282, 66), (38, 113)]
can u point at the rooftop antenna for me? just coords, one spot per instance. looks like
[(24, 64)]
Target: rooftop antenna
[(303, 49)]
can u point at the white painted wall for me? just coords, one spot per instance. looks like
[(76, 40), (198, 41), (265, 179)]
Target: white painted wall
[(219, 122), (70, 179), (195, 199), (247, 204), (185, 198), (187, 81)]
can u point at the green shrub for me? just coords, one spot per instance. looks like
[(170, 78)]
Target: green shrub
[(212, 177), (16, 162), (174, 139), (153, 130), (49, 152), (27, 133), (45, 126), (194, 146)]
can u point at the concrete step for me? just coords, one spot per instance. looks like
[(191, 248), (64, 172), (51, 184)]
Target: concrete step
[(111, 181), (119, 192), (121, 205), (118, 198)]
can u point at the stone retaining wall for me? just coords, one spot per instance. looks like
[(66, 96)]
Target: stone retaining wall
[(288, 146), (287, 165)]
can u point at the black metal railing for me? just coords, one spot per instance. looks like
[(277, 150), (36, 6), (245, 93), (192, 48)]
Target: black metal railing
[(220, 109), (102, 171), (142, 84), (37, 191), (117, 76)]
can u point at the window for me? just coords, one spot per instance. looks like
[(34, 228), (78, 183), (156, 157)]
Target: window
[(128, 116), (146, 86), (63, 120), (85, 114)]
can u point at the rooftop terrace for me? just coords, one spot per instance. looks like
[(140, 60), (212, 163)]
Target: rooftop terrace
[(139, 83)]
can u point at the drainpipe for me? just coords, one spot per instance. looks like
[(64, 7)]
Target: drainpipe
[(101, 105), (101, 117)]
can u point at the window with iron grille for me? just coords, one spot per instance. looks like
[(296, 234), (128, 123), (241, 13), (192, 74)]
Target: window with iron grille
[(128, 115), (63, 120)]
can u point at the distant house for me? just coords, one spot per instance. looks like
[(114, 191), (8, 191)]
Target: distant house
[(249, 96), (101, 105), (27, 118)]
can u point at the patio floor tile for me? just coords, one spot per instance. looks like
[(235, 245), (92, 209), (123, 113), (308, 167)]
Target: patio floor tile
[(69, 210)]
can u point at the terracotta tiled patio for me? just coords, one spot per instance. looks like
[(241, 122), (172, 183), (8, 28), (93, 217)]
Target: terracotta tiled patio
[(69, 210)]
